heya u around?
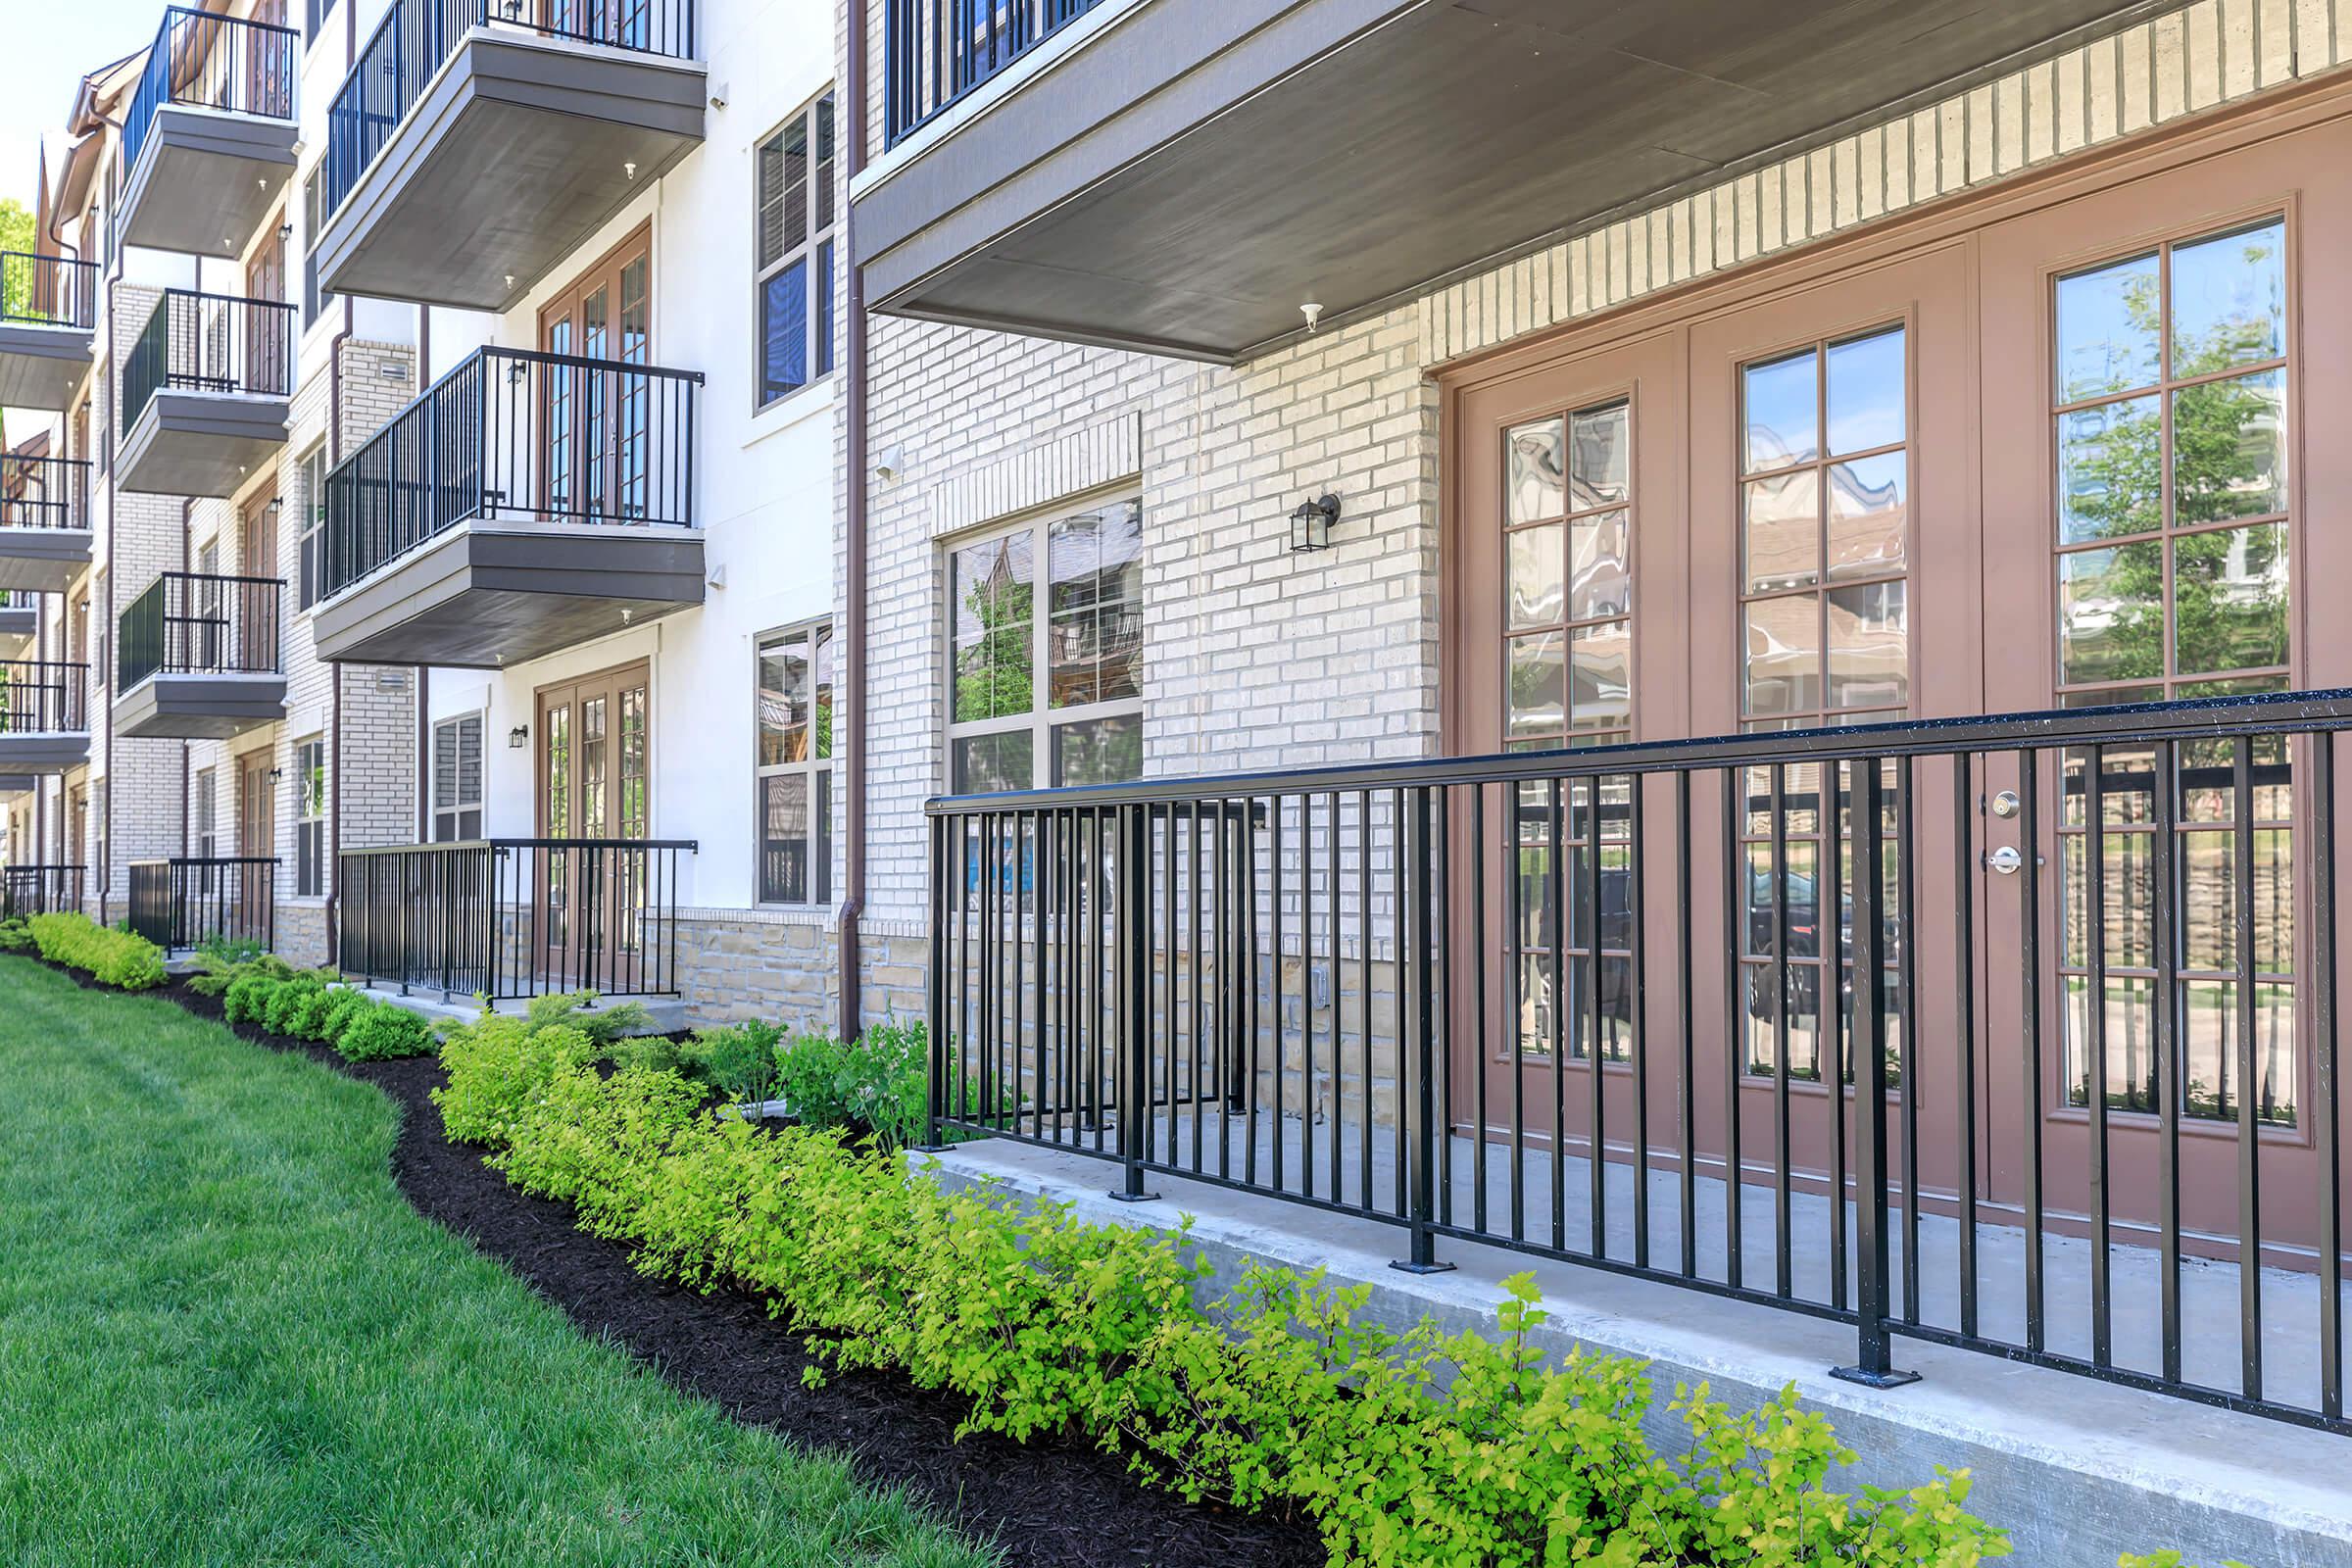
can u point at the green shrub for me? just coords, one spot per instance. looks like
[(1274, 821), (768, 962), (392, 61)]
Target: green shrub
[(346, 1006), (215, 974), (576, 1010), (15, 935), (306, 1019), (874, 1085), (111, 957), (289, 1001), (1415, 1449), (382, 1031), (738, 1059), (650, 1053), (249, 996)]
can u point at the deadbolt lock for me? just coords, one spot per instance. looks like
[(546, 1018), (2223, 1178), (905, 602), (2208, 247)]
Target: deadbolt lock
[(2004, 804)]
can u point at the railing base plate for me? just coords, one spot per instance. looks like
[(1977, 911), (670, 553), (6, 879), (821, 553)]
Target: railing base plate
[(1134, 1198), (1892, 1378), (1405, 1265)]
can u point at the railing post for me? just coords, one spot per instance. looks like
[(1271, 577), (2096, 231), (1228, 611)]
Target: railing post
[(1134, 936), (1418, 1055), (936, 1024), (1873, 1365)]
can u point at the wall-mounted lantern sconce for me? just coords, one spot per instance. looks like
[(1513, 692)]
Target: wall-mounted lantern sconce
[(285, 233), (277, 773), (1310, 524), (519, 737)]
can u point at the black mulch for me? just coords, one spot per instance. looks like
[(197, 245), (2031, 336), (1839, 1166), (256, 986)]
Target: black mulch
[(1042, 1502)]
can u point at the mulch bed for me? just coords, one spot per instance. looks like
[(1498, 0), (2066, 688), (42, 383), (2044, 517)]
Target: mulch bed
[(1041, 1502)]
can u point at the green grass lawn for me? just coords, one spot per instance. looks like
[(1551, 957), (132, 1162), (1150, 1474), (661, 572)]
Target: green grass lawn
[(225, 1338)]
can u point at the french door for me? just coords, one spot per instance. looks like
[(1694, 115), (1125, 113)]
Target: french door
[(257, 836), (595, 447), (595, 774)]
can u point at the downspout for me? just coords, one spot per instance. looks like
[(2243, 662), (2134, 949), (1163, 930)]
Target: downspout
[(852, 619), (332, 871), (422, 380), (187, 521)]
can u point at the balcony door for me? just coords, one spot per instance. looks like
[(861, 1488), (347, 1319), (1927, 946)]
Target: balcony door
[(267, 363), (257, 835), (595, 446), (595, 783), (255, 626)]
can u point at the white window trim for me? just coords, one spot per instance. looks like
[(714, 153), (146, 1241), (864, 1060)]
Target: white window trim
[(434, 810), (1042, 718), (807, 768)]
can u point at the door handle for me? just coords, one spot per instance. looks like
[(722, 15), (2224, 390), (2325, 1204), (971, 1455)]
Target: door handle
[(2005, 859)]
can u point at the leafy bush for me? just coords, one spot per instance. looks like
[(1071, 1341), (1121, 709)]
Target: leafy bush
[(738, 1059), (249, 996), (346, 1006), (215, 974), (576, 1008), (113, 958), (306, 1019), (382, 1031), (873, 1085), (1419, 1448), (15, 935), (226, 952), (289, 1001)]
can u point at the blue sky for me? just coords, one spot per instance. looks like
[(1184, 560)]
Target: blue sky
[(41, 65)]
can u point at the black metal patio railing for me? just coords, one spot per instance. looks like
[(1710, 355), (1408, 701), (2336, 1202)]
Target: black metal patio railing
[(936, 51), (210, 343), (516, 434), (203, 61), (44, 492), (1972, 1092), (43, 697), (188, 901), (39, 888), (415, 36), (48, 290), (199, 624), (513, 917)]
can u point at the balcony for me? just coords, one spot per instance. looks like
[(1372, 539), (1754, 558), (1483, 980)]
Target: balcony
[(45, 716), (48, 310), (1129, 172), (210, 141), (205, 393), (199, 658), (44, 523), (477, 144), (185, 902), (20, 613), (526, 503), (38, 889), (511, 918)]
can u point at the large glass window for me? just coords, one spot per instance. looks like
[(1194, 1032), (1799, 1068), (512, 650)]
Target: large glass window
[(310, 819), (795, 765), (795, 213), (1082, 722), (314, 519), (458, 779), (2169, 411), (1568, 521)]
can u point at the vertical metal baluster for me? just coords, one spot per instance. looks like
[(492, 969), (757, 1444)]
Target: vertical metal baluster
[(1416, 1055), (1479, 983), (1339, 1032), (1830, 1008), (1557, 891), (2029, 979), (1735, 922), (934, 1011), (2249, 1126), (1637, 862), (1873, 1367), (1228, 993), (1686, 1087), (1964, 1011), (1403, 876), (1200, 994), (1780, 1258), (1906, 1009), (1438, 902), (1596, 1170), (2095, 905), (1133, 945), (1307, 992), (1514, 884), (1364, 1033), (2324, 1126), (1281, 1048)]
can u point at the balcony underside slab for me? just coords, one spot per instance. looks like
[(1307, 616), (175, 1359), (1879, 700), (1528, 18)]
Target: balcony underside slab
[(518, 152), (42, 560), (42, 366), (16, 783), (1183, 174), (206, 179), (175, 706), (44, 753), (485, 594), (201, 443)]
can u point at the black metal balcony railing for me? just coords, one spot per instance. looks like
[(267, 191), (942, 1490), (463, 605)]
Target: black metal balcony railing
[(193, 623), (210, 343), (39, 890), (513, 917), (48, 290), (208, 61), (1383, 990), (184, 903), (516, 434), (938, 50), (44, 492), (416, 36), (20, 599), (43, 697)]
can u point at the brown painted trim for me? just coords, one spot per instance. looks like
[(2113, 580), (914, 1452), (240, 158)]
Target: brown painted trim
[(2140, 155), (640, 238)]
